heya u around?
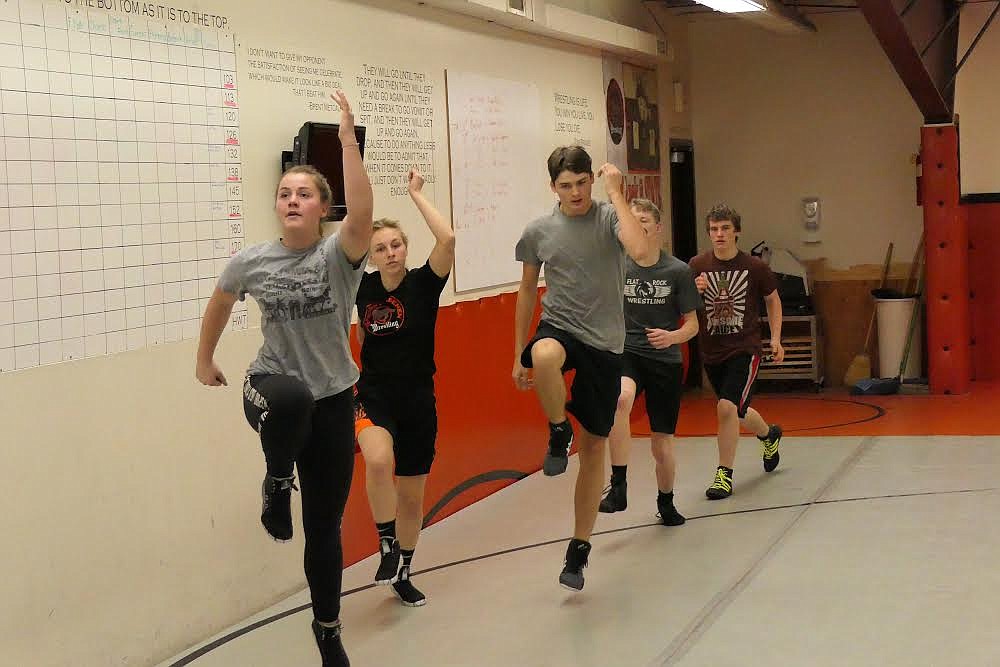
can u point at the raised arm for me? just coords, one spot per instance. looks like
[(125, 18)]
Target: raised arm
[(629, 230), (356, 232), (217, 312), (527, 295), (442, 256)]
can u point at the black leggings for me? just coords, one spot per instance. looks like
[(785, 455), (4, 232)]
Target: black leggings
[(318, 436)]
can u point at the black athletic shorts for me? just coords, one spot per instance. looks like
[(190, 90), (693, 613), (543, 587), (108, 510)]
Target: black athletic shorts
[(595, 389), (661, 381), (407, 409), (733, 379)]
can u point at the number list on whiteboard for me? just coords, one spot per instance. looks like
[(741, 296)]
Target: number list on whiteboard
[(497, 161), (120, 196)]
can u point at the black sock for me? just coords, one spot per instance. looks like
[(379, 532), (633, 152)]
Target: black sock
[(387, 531), (561, 426), (666, 498), (618, 474)]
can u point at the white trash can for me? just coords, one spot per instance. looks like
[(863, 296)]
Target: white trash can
[(893, 317)]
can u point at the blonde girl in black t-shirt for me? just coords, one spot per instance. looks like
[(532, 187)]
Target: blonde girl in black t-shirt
[(395, 414)]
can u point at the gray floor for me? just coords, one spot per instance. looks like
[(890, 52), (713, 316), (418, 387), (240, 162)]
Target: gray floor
[(856, 551)]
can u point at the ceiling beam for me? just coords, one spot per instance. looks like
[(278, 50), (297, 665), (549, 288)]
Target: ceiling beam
[(892, 34)]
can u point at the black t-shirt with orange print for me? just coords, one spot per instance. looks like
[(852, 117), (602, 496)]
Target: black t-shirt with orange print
[(730, 322), (399, 325)]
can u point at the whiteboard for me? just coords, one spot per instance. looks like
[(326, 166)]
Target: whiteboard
[(497, 157), (120, 180)]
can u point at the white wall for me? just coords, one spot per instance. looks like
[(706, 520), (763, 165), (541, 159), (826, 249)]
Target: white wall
[(976, 99), (780, 117), (131, 528)]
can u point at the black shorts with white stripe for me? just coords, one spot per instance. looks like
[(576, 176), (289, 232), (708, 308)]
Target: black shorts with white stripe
[(733, 379)]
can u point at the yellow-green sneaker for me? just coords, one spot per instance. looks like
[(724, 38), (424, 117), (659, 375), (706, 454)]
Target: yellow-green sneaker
[(722, 487), (769, 447)]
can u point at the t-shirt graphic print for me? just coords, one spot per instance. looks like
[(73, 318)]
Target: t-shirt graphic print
[(385, 317), (300, 294), (647, 292), (726, 301)]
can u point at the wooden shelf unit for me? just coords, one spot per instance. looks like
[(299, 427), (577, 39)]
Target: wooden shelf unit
[(802, 338)]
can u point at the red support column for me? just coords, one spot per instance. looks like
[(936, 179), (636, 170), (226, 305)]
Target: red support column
[(946, 240)]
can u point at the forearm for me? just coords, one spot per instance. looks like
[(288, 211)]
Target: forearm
[(523, 313), (436, 222), (688, 330), (629, 230), (357, 188), (213, 323), (356, 232), (774, 318)]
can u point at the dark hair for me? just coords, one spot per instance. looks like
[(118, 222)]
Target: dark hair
[(722, 212), (569, 158)]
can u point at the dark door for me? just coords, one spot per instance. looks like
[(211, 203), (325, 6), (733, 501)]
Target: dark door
[(685, 227)]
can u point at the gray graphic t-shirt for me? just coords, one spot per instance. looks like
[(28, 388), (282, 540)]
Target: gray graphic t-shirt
[(305, 298), (655, 297), (584, 273)]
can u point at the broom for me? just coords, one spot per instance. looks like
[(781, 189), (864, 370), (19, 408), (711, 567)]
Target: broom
[(886, 386), (861, 366)]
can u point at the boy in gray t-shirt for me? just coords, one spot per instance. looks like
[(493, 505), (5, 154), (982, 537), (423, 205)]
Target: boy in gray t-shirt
[(582, 244), (659, 293)]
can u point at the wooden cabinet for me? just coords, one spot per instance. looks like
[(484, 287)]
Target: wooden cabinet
[(802, 339)]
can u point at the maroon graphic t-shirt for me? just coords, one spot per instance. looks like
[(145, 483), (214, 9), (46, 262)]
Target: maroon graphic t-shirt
[(730, 323), (399, 325)]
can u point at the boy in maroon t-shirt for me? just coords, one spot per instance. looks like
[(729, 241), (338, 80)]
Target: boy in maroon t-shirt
[(732, 284)]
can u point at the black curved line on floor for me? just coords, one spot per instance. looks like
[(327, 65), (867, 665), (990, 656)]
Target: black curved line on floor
[(191, 657), (491, 476), (879, 413)]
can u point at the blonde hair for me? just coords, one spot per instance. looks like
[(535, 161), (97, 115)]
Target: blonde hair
[(389, 223), (646, 206)]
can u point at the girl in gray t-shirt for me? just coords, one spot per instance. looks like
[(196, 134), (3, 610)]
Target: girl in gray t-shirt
[(298, 391)]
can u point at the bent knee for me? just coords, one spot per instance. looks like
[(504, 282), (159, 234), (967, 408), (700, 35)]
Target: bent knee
[(379, 466), (547, 352), (726, 409), (625, 400)]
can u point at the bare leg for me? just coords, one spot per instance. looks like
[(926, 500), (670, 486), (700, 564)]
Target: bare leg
[(376, 447), (548, 357), (589, 483), (662, 445), (754, 423), (620, 438), (411, 510), (729, 432)]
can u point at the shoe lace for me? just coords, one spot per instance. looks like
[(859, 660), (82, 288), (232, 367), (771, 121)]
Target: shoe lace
[(277, 485), (769, 447), (721, 480)]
